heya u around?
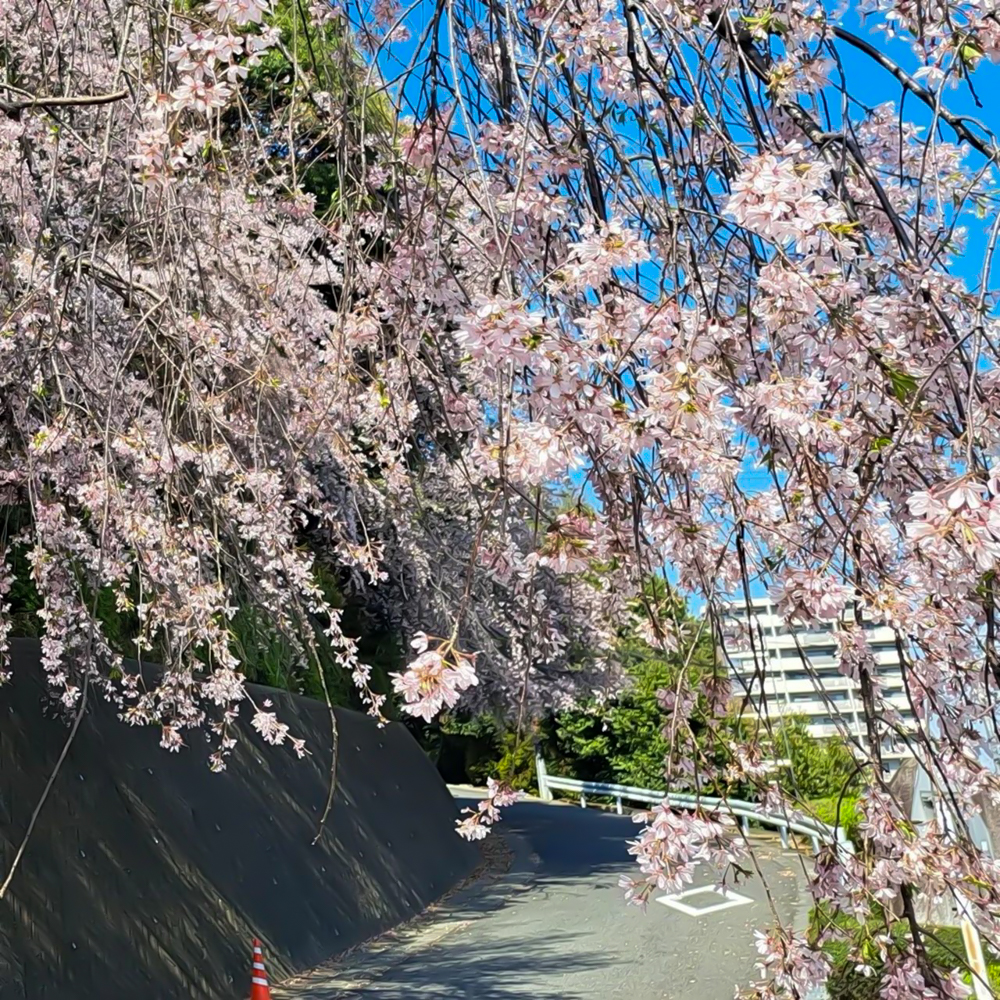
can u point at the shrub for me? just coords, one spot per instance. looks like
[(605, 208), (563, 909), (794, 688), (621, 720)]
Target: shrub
[(846, 983), (835, 810), (515, 764), (944, 945), (820, 768)]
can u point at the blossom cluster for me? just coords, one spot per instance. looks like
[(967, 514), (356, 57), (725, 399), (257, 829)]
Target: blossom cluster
[(478, 821), (435, 679), (673, 843), (661, 292)]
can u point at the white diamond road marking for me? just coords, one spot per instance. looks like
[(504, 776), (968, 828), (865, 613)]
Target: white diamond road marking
[(729, 900)]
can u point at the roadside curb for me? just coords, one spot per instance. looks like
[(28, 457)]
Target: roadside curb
[(509, 868)]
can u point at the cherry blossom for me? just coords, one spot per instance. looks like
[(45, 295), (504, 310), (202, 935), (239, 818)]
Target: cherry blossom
[(661, 290), (673, 843), (267, 724), (435, 679), (477, 822), (242, 12)]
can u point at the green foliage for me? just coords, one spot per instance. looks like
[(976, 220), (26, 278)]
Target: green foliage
[(266, 656), (580, 745), (944, 945), (622, 741), (946, 949), (847, 983), (23, 597), (837, 811), (313, 60), (819, 768), (119, 626), (470, 750), (515, 764)]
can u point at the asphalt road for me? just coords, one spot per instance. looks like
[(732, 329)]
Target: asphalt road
[(565, 933)]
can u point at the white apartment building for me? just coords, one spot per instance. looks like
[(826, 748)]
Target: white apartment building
[(802, 677)]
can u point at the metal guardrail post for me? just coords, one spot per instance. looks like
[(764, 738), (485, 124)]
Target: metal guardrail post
[(542, 775)]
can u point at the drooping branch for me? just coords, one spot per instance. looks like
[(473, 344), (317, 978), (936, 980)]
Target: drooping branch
[(989, 149), (13, 109)]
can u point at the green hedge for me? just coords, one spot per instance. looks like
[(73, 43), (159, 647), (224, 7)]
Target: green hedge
[(837, 811), (845, 983)]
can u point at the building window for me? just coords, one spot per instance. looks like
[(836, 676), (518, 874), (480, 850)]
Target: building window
[(830, 650), (810, 652), (819, 673), (826, 697)]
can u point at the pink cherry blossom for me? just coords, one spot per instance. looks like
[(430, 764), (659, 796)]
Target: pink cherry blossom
[(241, 12), (267, 724), (672, 290), (197, 94), (477, 822), (435, 679)]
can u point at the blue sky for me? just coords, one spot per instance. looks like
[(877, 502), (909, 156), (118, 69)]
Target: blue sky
[(868, 81)]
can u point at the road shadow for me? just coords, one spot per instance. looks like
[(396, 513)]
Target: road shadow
[(569, 943), (462, 968), (576, 849), (501, 949)]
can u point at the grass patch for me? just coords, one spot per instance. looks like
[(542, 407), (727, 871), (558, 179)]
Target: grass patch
[(944, 946)]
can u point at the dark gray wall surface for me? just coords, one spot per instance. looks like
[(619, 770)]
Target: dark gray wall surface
[(147, 875)]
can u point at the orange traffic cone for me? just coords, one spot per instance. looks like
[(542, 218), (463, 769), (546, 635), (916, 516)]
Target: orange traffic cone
[(259, 990)]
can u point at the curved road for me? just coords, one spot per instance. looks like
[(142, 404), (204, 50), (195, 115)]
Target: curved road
[(557, 928)]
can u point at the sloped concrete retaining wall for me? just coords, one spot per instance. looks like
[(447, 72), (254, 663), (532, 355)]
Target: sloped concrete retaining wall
[(147, 875)]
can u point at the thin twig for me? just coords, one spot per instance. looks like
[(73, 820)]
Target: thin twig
[(48, 788)]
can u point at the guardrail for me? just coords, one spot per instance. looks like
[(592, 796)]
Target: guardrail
[(747, 812)]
